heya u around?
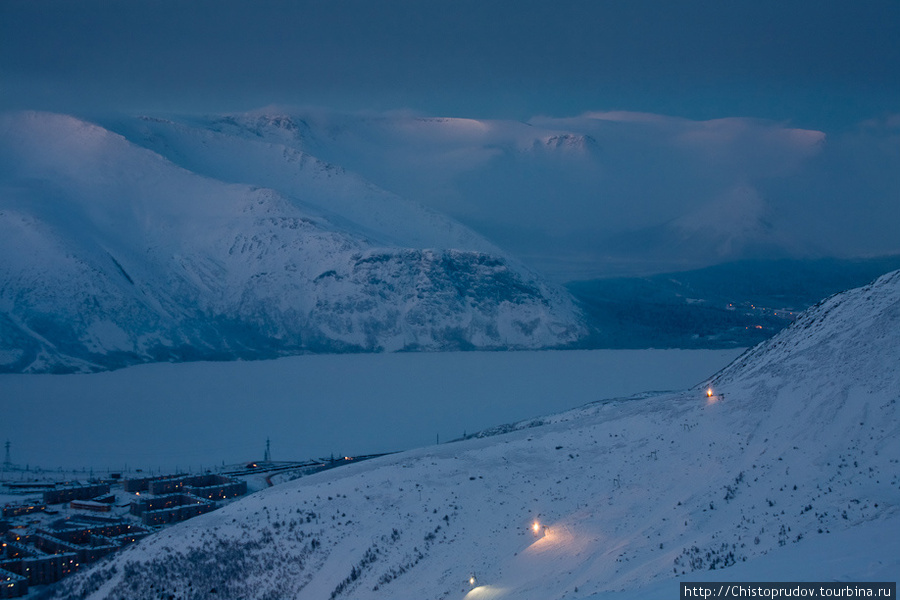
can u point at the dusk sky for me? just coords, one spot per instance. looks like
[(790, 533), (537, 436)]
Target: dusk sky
[(828, 68), (824, 64)]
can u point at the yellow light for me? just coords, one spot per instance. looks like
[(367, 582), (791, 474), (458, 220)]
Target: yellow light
[(536, 527), (709, 393), (472, 580)]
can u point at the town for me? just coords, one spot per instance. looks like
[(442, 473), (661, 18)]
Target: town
[(51, 527)]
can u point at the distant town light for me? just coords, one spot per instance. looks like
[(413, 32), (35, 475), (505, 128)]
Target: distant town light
[(709, 393)]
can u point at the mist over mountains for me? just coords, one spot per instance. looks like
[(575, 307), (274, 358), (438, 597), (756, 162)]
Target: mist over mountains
[(284, 231), (601, 194), (116, 255)]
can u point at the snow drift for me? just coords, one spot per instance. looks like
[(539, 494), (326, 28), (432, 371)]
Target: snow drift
[(795, 442)]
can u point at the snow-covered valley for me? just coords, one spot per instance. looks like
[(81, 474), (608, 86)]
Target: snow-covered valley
[(784, 458)]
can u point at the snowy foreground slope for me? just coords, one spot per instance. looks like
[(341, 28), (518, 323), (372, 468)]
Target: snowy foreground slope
[(788, 470), (115, 254)]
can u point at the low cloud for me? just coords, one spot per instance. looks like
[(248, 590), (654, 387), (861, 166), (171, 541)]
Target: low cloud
[(610, 192), (566, 192)]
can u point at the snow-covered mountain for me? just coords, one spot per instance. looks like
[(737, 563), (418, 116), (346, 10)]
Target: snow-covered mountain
[(272, 150), (795, 444), (575, 197), (198, 245)]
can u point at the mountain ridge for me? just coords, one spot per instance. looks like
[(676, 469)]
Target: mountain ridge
[(117, 256)]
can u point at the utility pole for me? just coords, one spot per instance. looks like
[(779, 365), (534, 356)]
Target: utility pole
[(268, 454), (7, 463)]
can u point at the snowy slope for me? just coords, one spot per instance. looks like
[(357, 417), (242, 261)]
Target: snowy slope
[(115, 255), (269, 150), (799, 443)]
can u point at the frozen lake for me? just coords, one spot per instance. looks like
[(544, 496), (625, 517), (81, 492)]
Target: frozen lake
[(189, 415)]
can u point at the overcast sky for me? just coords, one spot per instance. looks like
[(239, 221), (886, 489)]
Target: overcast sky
[(829, 68), (820, 64)]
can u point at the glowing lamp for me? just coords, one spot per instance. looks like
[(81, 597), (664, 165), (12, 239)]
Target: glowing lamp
[(709, 393)]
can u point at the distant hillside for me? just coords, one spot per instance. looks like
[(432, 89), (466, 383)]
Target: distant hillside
[(726, 306)]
